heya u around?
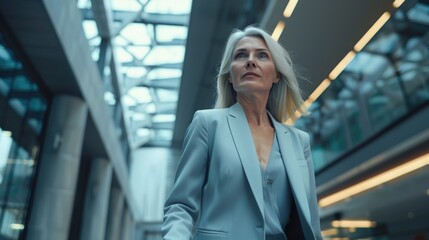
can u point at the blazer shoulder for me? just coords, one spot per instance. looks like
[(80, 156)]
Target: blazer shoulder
[(300, 132), (302, 135), (212, 114)]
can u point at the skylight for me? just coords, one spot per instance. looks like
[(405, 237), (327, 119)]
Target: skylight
[(149, 47)]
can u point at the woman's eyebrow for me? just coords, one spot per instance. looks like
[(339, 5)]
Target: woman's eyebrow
[(240, 50), (245, 50)]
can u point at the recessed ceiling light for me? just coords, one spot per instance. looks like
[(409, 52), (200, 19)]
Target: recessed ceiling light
[(353, 224), (17, 226), (7, 133)]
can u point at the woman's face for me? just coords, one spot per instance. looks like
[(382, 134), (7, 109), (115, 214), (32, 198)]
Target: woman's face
[(252, 67)]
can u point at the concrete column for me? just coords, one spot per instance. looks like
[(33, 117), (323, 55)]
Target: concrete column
[(131, 227), (58, 169), (114, 220), (97, 200), (127, 225)]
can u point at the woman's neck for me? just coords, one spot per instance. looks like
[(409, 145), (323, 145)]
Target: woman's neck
[(255, 110)]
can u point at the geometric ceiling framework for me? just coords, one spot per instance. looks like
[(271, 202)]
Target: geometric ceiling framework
[(139, 47), (382, 82)]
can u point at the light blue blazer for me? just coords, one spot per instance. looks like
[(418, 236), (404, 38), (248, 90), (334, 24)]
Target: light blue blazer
[(217, 194)]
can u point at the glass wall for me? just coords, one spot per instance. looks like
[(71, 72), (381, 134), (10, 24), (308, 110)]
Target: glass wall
[(386, 81), (22, 112)]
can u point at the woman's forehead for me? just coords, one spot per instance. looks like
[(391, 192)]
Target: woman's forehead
[(251, 42)]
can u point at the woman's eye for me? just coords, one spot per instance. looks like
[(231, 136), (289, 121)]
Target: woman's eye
[(263, 55), (240, 55)]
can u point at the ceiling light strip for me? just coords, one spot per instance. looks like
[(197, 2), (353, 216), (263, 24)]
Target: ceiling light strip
[(342, 65), (289, 8), (398, 3), (372, 31), (278, 30), (329, 232), (346, 60), (297, 114), (307, 103), (349, 57), (319, 90), (376, 180)]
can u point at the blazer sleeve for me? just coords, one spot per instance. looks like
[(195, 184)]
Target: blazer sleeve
[(181, 210), (314, 210)]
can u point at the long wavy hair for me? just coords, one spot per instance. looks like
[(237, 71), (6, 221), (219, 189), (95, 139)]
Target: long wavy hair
[(285, 96)]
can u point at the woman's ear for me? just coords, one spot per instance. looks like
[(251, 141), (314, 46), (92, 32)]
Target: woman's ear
[(277, 79)]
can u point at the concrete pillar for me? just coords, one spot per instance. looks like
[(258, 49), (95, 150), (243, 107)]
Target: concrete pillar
[(97, 200), (114, 220), (131, 227), (58, 169), (128, 225)]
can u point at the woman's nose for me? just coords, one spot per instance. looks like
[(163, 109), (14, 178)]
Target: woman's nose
[(250, 62)]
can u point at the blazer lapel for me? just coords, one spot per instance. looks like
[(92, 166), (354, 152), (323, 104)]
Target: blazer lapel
[(243, 141), (293, 169)]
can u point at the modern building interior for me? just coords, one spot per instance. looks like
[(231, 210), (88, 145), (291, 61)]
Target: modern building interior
[(96, 97)]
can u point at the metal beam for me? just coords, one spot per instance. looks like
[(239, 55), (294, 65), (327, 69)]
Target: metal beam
[(105, 55), (102, 14), (11, 73), (161, 108), (140, 17), (24, 94), (153, 66), (166, 83), (163, 126), (174, 42), (165, 19)]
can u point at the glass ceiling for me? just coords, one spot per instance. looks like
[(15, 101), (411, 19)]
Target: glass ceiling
[(148, 43), (384, 81)]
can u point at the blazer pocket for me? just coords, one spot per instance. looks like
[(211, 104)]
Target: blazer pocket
[(302, 163), (206, 234)]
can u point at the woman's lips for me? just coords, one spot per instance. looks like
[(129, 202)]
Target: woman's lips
[(250, 74)]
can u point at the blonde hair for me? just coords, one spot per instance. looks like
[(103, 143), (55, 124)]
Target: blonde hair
[(285, 97)]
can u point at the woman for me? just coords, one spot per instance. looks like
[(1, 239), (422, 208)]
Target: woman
[(243, 174)]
